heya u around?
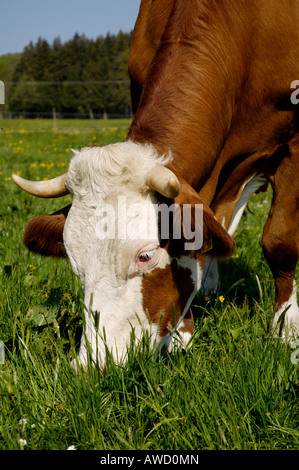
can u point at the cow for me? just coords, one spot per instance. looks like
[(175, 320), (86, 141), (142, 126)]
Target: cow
[(214, 122)]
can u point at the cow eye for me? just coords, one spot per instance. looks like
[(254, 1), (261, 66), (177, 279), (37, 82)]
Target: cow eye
[(146, 258), (146, 255)]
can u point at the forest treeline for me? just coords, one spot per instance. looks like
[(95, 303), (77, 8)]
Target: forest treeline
[(79, 76)]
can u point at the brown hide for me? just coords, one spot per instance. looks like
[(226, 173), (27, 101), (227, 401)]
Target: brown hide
[(44, 234)]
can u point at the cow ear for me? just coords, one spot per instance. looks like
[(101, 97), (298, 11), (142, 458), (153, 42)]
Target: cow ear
[(216, 241), (44, 234)]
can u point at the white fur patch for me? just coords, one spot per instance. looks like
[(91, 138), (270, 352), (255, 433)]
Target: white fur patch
[(97, 173), (290, 311), (250, 187)]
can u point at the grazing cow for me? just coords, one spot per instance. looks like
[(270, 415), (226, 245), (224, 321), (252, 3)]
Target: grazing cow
[(214, 122)]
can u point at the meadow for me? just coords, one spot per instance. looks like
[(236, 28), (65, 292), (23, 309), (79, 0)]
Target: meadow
[(235, 387)]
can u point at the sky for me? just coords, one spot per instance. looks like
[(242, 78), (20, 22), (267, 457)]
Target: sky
[(22, 21)]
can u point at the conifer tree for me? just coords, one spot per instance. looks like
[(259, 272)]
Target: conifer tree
[(79, 76)]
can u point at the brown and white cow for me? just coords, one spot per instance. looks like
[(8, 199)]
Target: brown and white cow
[(214, 121)]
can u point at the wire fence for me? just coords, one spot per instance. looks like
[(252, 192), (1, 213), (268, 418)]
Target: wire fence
[(61, 115), (91, 99)]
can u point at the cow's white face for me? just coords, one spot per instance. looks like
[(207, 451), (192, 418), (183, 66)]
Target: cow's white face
[(111, 236), (137, 272)]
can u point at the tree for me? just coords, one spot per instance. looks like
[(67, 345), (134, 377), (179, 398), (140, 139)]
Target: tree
[(81, 75)]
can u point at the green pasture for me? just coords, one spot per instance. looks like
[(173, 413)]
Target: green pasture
[(235, 387)]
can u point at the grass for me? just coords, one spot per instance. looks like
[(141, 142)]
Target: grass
[(235, 387)]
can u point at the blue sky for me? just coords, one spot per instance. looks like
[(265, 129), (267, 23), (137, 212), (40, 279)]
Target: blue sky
[(22, 21)]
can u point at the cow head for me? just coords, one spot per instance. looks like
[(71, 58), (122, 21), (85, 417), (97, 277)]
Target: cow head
[(136, 234)]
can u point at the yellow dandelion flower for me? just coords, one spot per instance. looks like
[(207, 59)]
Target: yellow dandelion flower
[(33, 165), (221, 298)]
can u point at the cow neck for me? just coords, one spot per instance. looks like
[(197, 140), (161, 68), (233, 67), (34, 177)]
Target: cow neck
[(188, 100)]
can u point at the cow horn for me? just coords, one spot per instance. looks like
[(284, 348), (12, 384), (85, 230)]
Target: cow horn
[(164, 181), (55, 187)]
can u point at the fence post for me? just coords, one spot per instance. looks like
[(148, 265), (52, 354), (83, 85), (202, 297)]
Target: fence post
[(54, 119)]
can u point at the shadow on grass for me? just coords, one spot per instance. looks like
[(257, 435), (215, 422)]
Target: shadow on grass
[(238, 283)]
